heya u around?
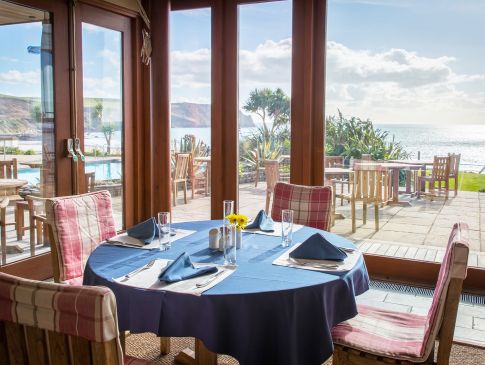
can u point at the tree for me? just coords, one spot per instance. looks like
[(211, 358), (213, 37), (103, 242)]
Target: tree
[(108, 130), (36, 113), (267, 103), (97, 113)]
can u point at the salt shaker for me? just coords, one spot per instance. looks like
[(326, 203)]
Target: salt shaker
[(214, 239)]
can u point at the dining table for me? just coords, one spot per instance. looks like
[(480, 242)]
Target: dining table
[(261, 314)]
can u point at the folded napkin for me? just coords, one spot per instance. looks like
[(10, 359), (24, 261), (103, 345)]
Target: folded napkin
[(262, 222), (182, 268), (316, 247), (145, 231)]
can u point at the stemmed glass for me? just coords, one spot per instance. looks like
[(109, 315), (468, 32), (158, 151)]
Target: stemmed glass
[(164, 230)]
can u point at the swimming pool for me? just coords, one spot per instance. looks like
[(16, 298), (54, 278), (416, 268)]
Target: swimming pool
[(104, 170)]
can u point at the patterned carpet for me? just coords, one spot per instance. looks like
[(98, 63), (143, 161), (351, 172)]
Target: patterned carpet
[(147, 346)]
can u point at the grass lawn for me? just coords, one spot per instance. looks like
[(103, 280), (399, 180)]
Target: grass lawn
[(468, 181)]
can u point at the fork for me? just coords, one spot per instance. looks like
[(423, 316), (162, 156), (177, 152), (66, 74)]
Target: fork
[(134, 272), (314, 264)]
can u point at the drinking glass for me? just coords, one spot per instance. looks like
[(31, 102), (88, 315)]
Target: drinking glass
[(286, 227), (228, 209), (230, 245), (164, 230)]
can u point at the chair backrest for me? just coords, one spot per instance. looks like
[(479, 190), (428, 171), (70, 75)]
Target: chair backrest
[(442, 313), (8, 169), (312, 205), (272, 173), (334, 161), (441, 168), (77, 225), (367, 182), (366, 157), (182, 162), (454, 164), (90, 180), (66, 324)]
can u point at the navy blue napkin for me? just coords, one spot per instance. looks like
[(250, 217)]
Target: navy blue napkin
[(262, 222), (145, 231), (182, 268), (317, 247)]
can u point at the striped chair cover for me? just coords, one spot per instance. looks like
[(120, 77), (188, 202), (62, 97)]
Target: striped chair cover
[(312, 205), (79, 223), (406, 336), (80, 311)]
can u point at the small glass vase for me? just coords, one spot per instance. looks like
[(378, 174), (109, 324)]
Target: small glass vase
[(238, 239)]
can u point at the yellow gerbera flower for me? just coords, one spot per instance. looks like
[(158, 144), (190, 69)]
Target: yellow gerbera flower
[(232, 218), (242, 221)]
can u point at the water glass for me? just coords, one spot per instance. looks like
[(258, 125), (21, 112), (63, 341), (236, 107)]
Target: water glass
[(230, 245), (164, 230), (286, 227)]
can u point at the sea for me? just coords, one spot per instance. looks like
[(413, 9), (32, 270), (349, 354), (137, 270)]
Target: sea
[(423, 140)]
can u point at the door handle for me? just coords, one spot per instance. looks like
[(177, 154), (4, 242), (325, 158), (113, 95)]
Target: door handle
[(70, 149), (77, 148)]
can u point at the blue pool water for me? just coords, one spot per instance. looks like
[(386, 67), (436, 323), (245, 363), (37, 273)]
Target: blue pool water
[(104, 170)]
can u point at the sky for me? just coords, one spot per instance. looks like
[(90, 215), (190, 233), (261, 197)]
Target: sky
[(393, 61)]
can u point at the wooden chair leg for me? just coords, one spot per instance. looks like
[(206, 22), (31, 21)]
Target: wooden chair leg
[(164, 345), (257, 177), (456, 185), (40, 234), (376, 215), (185, 192), (364, 213), (268, 198), (174, 193), (123, 341), (352, 203), (18, 222)]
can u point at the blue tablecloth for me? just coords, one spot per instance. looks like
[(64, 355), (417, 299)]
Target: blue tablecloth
[(261, 314)]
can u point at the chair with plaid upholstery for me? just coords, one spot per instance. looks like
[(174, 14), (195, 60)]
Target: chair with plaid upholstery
[(378, 336), (49, 323), (312, 205), (77, 225)]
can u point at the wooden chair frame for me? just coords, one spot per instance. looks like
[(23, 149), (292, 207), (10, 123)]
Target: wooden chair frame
[(272, 173), (180, 174), (439, 174), (8, 169), (454, 170), (347, 356)]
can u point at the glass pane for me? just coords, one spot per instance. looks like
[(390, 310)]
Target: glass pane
[(264, 102), (190, 131), (27, 158), (402, 84), (103, 113)]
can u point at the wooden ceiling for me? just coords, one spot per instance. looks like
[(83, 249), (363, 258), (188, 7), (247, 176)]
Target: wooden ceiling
[(13, 14)]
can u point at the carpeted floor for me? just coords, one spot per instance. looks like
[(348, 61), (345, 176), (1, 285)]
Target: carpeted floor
[(147, 346)]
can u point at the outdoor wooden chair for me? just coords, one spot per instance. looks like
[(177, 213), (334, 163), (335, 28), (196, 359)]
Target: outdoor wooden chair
[(272, 173), (37, 221), (439, 177), (49, 323), (180, 173), (336, 161), (379, 336), (311, 205), (366, 157), (366, 186), (8, 169), (454, 169), (90, 179), (3, 228), (198, 176)]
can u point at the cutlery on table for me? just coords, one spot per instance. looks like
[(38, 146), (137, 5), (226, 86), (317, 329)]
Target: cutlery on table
[(314, 264), (210, 279), (134, 272)]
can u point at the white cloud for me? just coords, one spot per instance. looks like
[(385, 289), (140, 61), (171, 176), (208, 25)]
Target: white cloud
[(105, 87), (18, 77)]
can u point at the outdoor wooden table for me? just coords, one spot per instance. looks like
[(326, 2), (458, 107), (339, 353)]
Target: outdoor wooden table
[(9, 187), (394, 167), (207, 161), (420, 165)]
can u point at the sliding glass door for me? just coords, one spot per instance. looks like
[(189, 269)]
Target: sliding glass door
[(104, 103)]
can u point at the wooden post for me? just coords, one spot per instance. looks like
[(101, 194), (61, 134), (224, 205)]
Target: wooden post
[(308, 91), (160, 106), (224, 109)]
